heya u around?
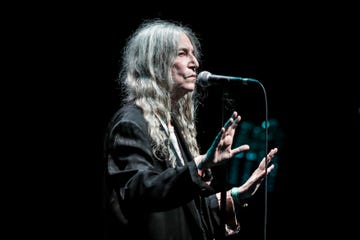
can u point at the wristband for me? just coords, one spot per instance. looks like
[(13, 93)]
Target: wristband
[(235, 195), (200, 166)]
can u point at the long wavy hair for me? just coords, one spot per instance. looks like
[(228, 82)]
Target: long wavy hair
[(146, 80)]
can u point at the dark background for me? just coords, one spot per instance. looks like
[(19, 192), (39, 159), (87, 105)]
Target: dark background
[(304, 55)]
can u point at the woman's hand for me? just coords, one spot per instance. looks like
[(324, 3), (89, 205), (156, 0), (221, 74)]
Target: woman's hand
[(249, 188), (221, 148)]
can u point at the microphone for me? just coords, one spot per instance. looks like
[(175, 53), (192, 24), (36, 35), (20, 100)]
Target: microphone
[(206, 79)]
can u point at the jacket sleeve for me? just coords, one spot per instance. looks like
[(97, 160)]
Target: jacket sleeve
[(141, 180)]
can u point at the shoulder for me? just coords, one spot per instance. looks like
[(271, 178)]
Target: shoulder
[(129, 116), (128, 128), (129, 112)]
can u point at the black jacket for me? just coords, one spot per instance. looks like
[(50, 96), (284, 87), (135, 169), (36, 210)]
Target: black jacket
[(147, 199)]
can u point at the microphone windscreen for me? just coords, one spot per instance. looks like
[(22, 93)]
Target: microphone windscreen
[(203, 78)]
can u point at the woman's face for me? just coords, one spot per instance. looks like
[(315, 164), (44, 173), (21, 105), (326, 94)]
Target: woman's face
[(184, 68)]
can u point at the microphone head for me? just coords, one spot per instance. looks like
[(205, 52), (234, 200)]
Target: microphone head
[(203, 78)]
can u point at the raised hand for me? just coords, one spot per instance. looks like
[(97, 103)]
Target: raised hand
[(221, 148), (251, 185)]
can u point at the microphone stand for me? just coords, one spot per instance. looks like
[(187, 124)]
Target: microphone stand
[(224, 176), (223, 179)]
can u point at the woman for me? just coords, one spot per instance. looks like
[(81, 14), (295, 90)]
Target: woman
[(158, 185)]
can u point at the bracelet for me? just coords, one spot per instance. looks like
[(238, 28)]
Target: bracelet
[(200, 166), (235, 195)]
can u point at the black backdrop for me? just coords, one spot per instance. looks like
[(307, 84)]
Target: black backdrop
[(301, 54)]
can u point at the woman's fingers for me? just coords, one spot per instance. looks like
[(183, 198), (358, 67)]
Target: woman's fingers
[(241, 148), (272, 153)]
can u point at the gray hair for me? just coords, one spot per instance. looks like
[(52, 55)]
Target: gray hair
[(146, 80)]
